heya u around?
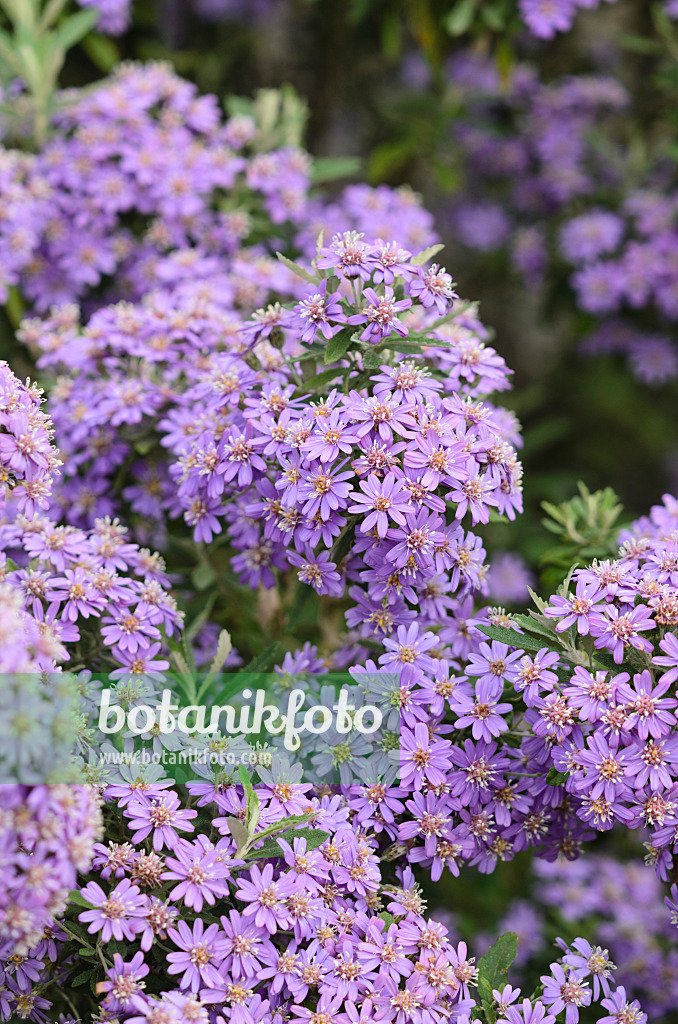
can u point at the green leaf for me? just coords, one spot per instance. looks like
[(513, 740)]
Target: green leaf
[(283, 826), (201, 618), (101, 50), (414, 347), (80, 901), (529, 623), (203, 576), (263, 661), (251, 801), (224, 647), (460, 18), (493, 16), (296, 269), (314, 837), (75, 28), (338, 345), (239, 106), (426, 254), (556, 778), (268, 850), (343, 544), (540, 603), (372, 360), (506, 636), (319, 380), (80, 979), (238, 831), (521, 640), (329, 168), (492, 970)]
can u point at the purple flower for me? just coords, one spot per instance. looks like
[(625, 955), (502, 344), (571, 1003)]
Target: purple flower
[(124, 982), (318, 571), (649, 712), (591, 235), (591, 961), (423, 758), (493, 662), (416, 540), (407, 652), (546, 17), (324, 490), (381, 316), (349, 254), (130, 631), (331, 438), (163, 817), (606, 766), (391, 262), (116, 915), (265, 898), (433, 287), (575, 607), (243, 945), (617, 630), (621, 1010), (382, 500), (482, 712), (527, 1013), (668, 644), (201, 953), (316, 311), (200, 871), (565, 992)]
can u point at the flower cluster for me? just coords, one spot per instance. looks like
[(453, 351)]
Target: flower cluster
[(28, 459), (599, 693), (536, 175), (626, 902), (67, 591), (313, 935), (145, 183), (47, 836)]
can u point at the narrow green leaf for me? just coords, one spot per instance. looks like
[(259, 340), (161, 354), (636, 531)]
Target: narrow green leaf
[(426, 254), (224, 647), (251, 801), (319, 380), (372, 360), (74, 28), (80, 979), (262, 662), (296, 269), (460, 18), (314, 838), (507, 636), (268, 850), (330, 168)]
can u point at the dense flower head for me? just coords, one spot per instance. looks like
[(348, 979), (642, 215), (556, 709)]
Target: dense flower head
[(28, 459), (47, 834)]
